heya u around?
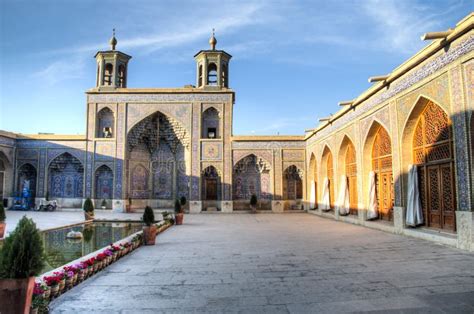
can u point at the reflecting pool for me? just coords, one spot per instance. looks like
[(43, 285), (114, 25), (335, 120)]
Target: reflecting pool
[(60, 250)]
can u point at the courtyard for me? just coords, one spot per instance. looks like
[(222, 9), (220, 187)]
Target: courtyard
[(287, 263)]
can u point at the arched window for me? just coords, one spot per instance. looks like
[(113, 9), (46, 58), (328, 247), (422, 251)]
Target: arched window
[(292, 183), (105, 123), (330, 176), (433, 154), (104, 179), (122, 76), (108, 74), (224, 74), (212, 74), (210, 123), (382, 166), (200, 76)]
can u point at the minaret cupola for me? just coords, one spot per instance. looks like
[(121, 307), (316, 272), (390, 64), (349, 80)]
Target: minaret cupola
[(212, 66), (112, 67)]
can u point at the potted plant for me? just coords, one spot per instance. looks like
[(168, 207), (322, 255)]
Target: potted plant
[(103, 204), (178, 209), (149, 231), (3, 225), (88, 209), (21, 259), (39, 301), (253, 203), (46, 197), (183, 202)]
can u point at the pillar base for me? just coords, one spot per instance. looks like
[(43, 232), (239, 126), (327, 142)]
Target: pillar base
[(227, 206), (195, 207), (464, 226), (398, 219), (278, 206)]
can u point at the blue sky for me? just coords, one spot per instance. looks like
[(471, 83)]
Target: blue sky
[(292, 60)]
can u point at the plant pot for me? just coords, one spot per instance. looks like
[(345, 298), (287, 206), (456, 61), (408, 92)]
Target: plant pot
[(81, 276), (54, 291), (149, 235), (47, 293), (3, 227), (90, 271), (69, 282), (62, 285), (253, 209), (34, 310), (16, 295), (88, 215), (179, 218)]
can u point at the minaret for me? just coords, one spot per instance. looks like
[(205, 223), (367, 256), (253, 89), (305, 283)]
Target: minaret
[(212, 66), (112, 67)]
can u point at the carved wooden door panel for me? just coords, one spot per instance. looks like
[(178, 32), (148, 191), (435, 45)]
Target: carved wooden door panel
[(433, 153), (330, 175), (382, 166), (351, 173), (211, 189)]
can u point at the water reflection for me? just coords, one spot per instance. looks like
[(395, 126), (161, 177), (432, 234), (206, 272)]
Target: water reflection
[(59, 250)]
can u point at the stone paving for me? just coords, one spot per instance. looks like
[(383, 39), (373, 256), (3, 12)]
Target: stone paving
[(281, 263)]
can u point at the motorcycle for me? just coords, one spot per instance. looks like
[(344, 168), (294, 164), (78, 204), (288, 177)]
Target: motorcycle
[(47, 205)]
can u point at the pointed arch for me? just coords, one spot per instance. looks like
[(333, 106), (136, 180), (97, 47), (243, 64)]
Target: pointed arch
[(427, 142), (377, 153), (66, 176), (327, 171), (251, 175), (27, 179), (211, 184), (210, 124), (347, 160), (104, 179), (292, 183), (313, 182), (105, 123)]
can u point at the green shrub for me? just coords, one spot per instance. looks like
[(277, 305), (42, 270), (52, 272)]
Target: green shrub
[(177, 206), (253, 200), (2, 213), (46, 197), (148, 216), (22, 253), (88, 233), (88, 206), (183, 200), (104, 203)]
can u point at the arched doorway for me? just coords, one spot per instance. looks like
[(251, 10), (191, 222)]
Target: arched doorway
[(27, 180), (382, 166), (66, 177), (351, 174), (104, 179), (211, 185), (433, 154), (327, 171), (292, 183), (312, 180)]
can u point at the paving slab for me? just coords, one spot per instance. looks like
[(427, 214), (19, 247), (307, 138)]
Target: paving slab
[(281, 263)]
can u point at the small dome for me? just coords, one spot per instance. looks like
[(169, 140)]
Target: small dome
[(213, 41)]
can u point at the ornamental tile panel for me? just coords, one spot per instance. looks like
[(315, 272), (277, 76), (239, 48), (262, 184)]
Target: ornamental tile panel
[(267, 155), (211, 151), (151, 98), (293, 155), (27, 154), (179, 112), (104, 151)]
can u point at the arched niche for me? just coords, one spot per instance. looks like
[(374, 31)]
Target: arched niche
[(27, 179), (66, 177), (377, 155), (105, 123), (313, 180), (210, 124), (251, 175), (327, 171), (292, 183), (427, 142), (104, 180), (347, 160)]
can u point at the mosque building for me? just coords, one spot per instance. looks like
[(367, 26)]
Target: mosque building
[(398, 158)]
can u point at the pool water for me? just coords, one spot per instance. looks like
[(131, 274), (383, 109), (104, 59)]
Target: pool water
[(59, 250)]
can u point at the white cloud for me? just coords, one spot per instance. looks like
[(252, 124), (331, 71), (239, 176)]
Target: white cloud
[(61, 70)]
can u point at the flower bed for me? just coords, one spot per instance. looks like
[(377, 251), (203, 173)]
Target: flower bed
[(56, 282)]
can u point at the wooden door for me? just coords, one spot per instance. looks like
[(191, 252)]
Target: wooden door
[(330, 175), (211, 189), (351, 173), (433, 154), (382, 166)]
